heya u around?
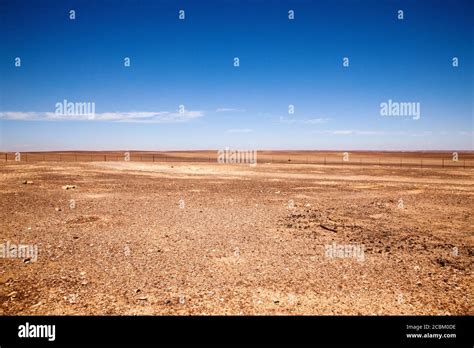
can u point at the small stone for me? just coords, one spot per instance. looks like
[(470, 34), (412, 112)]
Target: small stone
[(57, 209), (69, 187), (71, 298)]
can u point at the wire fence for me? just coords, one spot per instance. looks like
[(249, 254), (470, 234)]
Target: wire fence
[(402, 162)]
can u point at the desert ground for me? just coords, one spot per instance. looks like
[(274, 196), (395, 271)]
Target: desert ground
[(175, 235)]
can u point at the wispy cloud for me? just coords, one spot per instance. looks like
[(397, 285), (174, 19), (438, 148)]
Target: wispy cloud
[(133, 116), (467, 133), (229, 110), (350, 132), (240, 130), (304, 121), (364, 132)]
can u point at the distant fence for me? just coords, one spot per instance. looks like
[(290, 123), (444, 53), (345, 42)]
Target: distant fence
[(169, 157)]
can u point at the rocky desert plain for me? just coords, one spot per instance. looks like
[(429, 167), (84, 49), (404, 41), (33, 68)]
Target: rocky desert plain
[(299, 233)]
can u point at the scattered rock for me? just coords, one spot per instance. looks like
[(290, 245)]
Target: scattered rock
[(27, 182), (37, 304), (69, 187), (57, 209), (72, 298)]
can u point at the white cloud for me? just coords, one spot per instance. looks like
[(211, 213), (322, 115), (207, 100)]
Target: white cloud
[(229, 110), (353, 132), (470, 134), (316, 120), (133, 116), (240, 130), (343, 132), (304, 121), (359, 132)]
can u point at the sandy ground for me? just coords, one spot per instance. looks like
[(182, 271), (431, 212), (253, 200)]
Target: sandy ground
[(244, 240)]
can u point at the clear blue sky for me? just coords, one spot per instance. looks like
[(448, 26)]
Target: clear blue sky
[(190, 63)]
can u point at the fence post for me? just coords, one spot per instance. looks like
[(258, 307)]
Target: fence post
[(105, 158), (6, 157)]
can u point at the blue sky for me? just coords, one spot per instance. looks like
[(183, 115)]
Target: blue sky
[(190, 62)]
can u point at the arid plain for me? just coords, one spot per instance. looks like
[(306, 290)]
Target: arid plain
[(182, 234)]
